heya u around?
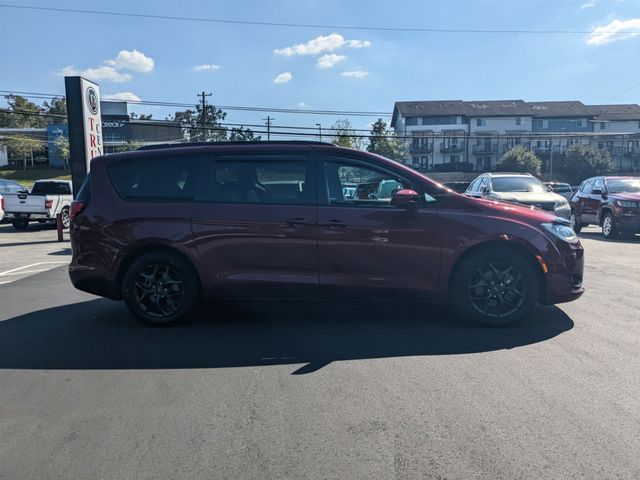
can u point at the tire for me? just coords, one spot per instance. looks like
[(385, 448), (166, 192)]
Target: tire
[(577, 227), (480, 292), (66, 221), (20, 223), (161, 289), (609, 228)]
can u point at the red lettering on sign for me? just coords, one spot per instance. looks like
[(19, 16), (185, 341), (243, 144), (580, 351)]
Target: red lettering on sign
[(92, 140)]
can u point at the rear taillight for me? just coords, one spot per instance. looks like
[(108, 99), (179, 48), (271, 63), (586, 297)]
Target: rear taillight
[(76, 209), (48, 204), (2, 203)]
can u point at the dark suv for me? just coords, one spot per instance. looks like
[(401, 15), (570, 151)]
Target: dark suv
[(611, 202), (164, 228)]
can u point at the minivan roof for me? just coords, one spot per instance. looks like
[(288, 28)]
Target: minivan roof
[(215, 144)]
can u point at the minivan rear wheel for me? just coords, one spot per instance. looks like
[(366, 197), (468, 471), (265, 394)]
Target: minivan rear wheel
[(494, 287), (160, 288)]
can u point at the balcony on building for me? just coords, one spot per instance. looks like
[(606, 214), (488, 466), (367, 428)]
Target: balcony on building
[(485, 148), (451, 147)]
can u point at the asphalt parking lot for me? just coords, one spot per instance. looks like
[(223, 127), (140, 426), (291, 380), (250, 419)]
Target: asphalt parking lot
[(322, 390)]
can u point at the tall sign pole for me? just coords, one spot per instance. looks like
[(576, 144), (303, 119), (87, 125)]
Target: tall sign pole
[(85, 126)]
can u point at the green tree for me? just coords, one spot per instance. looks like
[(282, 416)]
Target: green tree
[(241, 134), (385, 142), (583, 161), (23, 148), (57, 109), (23, 114), (61, 144), (344, 136), (192, 124), (519, 159), (142, 116)]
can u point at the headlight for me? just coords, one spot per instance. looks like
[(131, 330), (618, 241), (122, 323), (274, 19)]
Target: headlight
[(563, 232), (625, 204), (562, 205)]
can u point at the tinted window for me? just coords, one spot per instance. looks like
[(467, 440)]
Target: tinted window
[(366, 186), (154, 179), (586, 188), (518, 184), (51, 188), (269, 179)]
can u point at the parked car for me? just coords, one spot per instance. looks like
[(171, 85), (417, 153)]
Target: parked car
[(9, 186), (1, 208), (613, 203), (519, 188), (161, 228), (563, 189), (46, 199)]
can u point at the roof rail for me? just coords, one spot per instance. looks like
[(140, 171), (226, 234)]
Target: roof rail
[(257, 142)]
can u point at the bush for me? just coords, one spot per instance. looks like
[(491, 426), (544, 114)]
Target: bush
[(519, 159), (584, 161)]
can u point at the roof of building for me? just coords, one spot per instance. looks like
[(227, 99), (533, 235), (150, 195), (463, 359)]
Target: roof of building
[(499, 108), (628, 111)]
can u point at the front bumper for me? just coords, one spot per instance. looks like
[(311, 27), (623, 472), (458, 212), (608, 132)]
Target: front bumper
[(628, 221), (564, 276)]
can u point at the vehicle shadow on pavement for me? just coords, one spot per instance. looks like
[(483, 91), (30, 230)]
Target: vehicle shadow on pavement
[(620, 239), (101, 334)]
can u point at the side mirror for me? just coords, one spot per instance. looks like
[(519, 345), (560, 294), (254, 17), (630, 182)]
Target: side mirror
[(405, 198)]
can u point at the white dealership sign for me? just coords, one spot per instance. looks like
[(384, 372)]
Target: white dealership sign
[(91, 119)]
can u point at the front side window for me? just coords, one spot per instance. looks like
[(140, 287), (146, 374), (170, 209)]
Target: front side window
[(587, 186), (268, 179), (354, 184), (157, 179), (599, 184)]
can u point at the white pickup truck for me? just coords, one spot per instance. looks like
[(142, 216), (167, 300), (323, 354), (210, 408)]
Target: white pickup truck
[(47, 199)]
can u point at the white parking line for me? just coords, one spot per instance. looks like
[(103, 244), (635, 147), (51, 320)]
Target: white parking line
[(8, 272)]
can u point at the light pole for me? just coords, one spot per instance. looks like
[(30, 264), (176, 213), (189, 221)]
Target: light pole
[(319, 130)]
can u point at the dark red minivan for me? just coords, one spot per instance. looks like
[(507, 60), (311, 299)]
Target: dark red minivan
[(165, 227)]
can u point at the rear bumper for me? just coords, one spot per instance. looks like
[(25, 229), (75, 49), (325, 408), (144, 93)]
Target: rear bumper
[(94, 281), (28, 216)]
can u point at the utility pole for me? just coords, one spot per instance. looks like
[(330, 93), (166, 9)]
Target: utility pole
[(204, 113), (551, 161), (268, 124), (319, 130)]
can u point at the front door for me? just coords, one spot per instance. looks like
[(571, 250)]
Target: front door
[(592, 202), (254, 224), (366, 246)]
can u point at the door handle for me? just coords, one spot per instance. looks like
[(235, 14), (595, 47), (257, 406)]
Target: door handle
[(300, 221), (334, 223)]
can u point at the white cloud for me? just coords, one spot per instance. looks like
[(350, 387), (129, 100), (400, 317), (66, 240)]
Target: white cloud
[(611, 32), (283, 78), (589, 4), (124, 96), (132, 60), (358, 43), (96, 74), (323, 43), (329, 60), (205, 67), (355, 73), (301, 105), (110, 70)]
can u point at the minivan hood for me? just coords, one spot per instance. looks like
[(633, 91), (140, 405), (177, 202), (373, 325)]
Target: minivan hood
[(528, 197), (530, 215)]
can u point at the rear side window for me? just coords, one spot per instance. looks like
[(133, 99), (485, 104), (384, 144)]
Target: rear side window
[(51, 188), (159, 179), (268, 179)]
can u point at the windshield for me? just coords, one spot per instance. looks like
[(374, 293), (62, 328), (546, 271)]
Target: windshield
[(624, 185), (518, 184)]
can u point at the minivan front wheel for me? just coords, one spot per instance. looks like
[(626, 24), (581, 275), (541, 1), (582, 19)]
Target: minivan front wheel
[(160, 288), (494, 287)]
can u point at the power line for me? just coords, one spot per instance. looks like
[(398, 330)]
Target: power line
[(354, 113), (324, 26)]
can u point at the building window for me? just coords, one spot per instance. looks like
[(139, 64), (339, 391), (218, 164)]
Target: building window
[(603, 125), (518, 120), (480, 122), (545, 123), (411, 121)]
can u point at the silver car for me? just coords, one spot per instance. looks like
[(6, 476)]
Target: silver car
[(520, 188)]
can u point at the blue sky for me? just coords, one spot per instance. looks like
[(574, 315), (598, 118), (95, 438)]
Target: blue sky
[(155, 59)]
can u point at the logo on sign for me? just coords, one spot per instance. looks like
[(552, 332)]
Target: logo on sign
[(92, 100)]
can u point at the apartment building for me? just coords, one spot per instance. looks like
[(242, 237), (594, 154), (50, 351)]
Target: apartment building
[(454, 135)]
